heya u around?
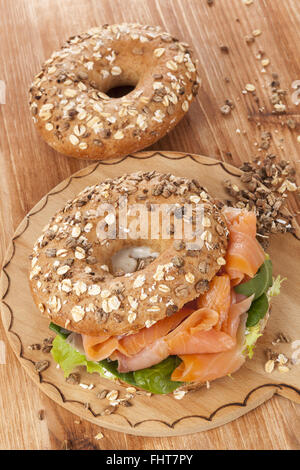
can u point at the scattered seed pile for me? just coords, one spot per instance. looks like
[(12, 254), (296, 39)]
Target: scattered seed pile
[(46, 345), (278, 360), (268, 183), (278, 95)]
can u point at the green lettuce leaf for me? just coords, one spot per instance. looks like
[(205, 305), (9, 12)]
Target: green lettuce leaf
[(276, 286), (157, 379), (112, 368), (68, 358), (59, 330), (253, 333), (251, 336), (257, 310)]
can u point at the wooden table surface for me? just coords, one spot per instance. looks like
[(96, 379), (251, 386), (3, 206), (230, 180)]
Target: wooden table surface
[(30, 31)]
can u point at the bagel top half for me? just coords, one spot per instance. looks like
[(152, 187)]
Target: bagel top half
[(71, 274), (69, 98)]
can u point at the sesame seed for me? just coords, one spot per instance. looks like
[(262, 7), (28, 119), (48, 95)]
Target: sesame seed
[(119, 135), (88, 227), (49, 126), (269, 366), (283, 369), (105, 293), (185, 106), (52, 70), (45, 116), (256, 32), (69, 93), (157, 85), (190, 278), (113, 395), (195, 199), (249, 87), (82, 115), (85, 386), (131, 317), (83, 146), (73, 139), (164, 288), (139, 281), (155, 308), (116, 70), (89, 65), (76, 231), (149, 323), (133, 302), (179, 394), (66, 285), (265, 62), (159, 52), (77, 313), (94, 289), (172, 65), (62, 253), (63, 270), (110, 218), (114, 303), (282, 359), (206, 222), (82, 86), (79, 130), (79, 254), (46, 107)]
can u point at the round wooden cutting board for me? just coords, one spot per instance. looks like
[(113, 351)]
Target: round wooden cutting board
[(227, 398)]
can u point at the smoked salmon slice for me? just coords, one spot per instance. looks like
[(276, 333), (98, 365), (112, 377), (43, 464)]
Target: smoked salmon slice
[(217, 297), (202, 341), (137, 341), (193, 336), (241, 220), (197, 335), (244, 254), (240, 304), (147, 357), (207, 367), (98, 348)]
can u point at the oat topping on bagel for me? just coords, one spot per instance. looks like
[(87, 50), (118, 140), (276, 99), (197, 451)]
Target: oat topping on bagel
[(76, 116), (74, 278)]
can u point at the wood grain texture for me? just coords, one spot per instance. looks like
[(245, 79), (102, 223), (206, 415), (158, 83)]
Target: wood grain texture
[(29, 168)]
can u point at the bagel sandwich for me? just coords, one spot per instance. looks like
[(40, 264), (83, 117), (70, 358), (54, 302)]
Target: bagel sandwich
[(161, 314)]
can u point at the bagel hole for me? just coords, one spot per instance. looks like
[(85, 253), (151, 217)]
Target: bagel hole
[(132, 259), (119, 91)]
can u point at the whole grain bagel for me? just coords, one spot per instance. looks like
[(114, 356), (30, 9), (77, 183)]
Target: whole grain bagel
[(68, 97), (72, 277)]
